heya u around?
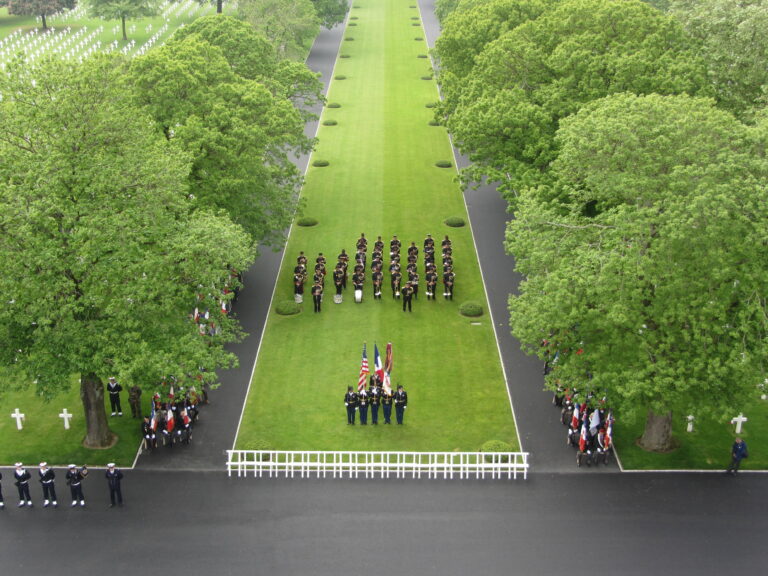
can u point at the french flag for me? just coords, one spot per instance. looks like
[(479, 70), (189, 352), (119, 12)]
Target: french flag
[(377, 363)]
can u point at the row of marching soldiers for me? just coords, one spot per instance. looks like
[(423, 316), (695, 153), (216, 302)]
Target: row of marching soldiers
[(589, 423), (408, 290), (171, 420)]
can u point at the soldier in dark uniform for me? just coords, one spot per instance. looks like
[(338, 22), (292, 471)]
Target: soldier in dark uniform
[(320, 259), (338, 279), (447, 263), (362, 399), (394, 265), (114, 390), (413, 250), (47, 479), (378, 279), (362, 243), (134, 399), (374, 399), (394, 246), (407, 296), (413, 278), (21, 479), (429, 242), (378, 246), (317, 295), (350, 401), (446, 243), (396, 279), (429, 255), (358, 279), (431, 283), (298, 284), (448, 281), (75, 478), (386, 404), (301, 260), (114, 477), (360, 257), (401, 401)]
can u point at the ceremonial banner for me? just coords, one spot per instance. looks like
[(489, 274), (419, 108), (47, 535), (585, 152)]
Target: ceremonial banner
[(363, 371), (388, 359), (387, 384)]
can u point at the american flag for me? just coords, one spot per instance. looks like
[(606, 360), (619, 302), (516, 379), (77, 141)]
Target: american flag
[(363, 371)]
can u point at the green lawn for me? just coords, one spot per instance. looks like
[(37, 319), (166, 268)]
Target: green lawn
[(43, 436), (706, 448), (381, 180)]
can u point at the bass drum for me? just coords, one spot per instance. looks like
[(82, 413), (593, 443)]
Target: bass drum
[(358, 296)]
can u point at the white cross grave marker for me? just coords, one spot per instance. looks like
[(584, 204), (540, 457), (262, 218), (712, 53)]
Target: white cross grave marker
[(690, 419), (67, 417), (19, 417), (739, 420)]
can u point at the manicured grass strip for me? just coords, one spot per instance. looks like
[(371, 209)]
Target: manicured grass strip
[(381, 179), (706, 448)]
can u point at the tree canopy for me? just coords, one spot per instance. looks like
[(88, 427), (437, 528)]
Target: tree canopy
[(104, 252), (42, 8), (331, 12), (647, 254), (290, 25), (529, 78), (238, 134), (122, 10)]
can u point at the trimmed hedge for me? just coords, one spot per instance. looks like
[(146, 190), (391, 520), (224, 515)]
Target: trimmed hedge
[(496, 446), (344, 56), (431, 105), (333, 105), (434, 123), (443, 163), (471, 309), (419, 39), (330, 123), (353, 17), (426, 77), (352, 24), (339, 77), (320, 163), (349, 39), (306, 221), (454, 222), (286, 308), (422, 56), (416, 24)]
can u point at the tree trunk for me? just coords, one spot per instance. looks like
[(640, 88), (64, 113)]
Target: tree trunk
[(45, 25), (97, 432), (122, 19), (219, 4), (657, 436)]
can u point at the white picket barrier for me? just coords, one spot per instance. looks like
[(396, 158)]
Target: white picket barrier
[(319, 464)]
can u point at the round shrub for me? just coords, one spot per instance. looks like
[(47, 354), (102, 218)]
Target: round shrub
[(426, 77), (443, 163), (352, 24), (320, 163), (496, 446), (330, 123), (285, 308), (416, 24), (306, 221), (455, 222), (471, 309), (353, 17), (339, 77), (419, 39), (349, 39), (430, 105), (344, 56), (414, 17), (422, 56), (434, 123), (333, 105)]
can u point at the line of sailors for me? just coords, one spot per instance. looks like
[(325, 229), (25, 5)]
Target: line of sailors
[(172, 420), (46, 475), (589, 423), (407, 291)]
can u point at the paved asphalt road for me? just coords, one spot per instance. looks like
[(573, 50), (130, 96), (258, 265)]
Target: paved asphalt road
[(556, 522)]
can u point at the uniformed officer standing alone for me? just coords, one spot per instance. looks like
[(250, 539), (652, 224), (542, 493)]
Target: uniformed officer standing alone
[(49, 488), (350, 401), (114, 390), (317, 295), (401, 401), (407, 293), (114, 477)]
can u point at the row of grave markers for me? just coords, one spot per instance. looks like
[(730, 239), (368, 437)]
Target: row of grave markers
[(738, 420), (21, 417)]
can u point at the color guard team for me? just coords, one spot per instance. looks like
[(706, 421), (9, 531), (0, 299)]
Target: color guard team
[(404, 277), (364, 400)]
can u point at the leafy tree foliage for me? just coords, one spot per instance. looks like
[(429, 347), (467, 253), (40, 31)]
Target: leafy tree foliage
[(42, 8), (543, 70), (331, 12), (238, 133), (647, 253), (104, 253), (122, 10), (732, 36), (290, 25)]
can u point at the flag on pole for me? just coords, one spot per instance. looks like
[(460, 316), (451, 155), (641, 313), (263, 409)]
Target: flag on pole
[(363, 371), (387, 384), (388, 358), (377, 363), (153, 417)]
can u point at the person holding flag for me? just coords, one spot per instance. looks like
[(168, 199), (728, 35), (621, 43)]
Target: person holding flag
[(386, 399)]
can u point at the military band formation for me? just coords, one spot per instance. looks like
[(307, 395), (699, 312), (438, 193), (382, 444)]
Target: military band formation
[(74, 477), (376, 396), (404, 282)]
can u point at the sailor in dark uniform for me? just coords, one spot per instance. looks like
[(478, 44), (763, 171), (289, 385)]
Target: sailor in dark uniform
[(114, 390), (114, 477), (74, 478), (401, 401), (21, 478), (350, 401), (47, 479)]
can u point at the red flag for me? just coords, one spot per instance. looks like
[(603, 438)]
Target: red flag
[(170, 421), (363, 371), (388, 360)]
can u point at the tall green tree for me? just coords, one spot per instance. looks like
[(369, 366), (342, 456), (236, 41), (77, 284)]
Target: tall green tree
[(104, 253), (290, 25), (732, 36), (648, 254), (42, 8), (122, 10), (239, 135), (331, 12), (543, 70)]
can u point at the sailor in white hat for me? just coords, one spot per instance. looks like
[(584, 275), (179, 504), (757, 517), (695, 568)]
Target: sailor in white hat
[(47, 477), (114, 476), (75, 477), (22, 483)]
